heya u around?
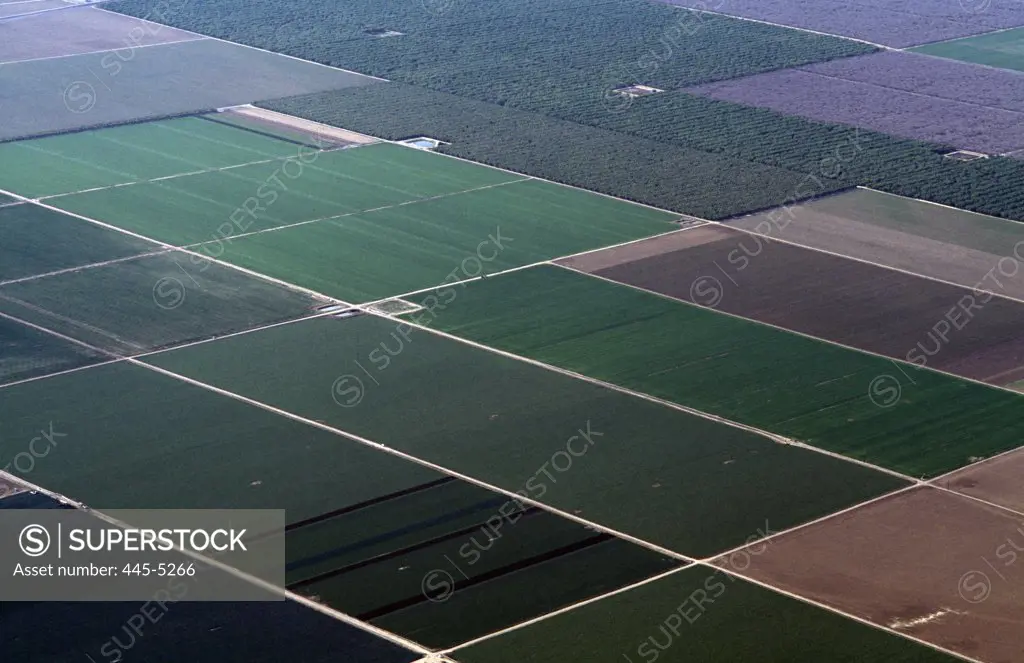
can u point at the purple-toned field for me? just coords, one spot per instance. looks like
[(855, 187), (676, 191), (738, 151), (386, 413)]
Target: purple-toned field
[(903, 94), (878, 21)]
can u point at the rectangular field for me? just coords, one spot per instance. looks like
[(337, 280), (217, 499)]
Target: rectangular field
[(405, 248), (866, 407), (876, 20), (865, 306), (927, 563), (508, 423), (64, 94), (903, 94), (973, 250), (1000, 49), (698, 614), (152, 302)]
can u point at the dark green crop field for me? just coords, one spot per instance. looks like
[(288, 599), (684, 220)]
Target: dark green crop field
[(802, 388), (28, 353), (37, 241)]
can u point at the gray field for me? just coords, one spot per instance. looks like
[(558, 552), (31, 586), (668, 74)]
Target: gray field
[(75, 31), (22, 8), (969, 249), (119, 86)]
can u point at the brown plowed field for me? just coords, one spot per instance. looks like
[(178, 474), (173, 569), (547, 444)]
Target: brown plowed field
[(1000, 480), (872, 308), (928, 563)]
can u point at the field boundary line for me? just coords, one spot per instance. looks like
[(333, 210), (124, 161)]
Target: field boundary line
[(983, 461), (181, 346), (164, 178), (974, 498), (788, 27), (806, 69), (866, 261), (81, 268), (255, 48), (796, 333), (76, 324), (932, 202), (47, 330), (132, 47), (994, 31), (76, 369), (258, 582)]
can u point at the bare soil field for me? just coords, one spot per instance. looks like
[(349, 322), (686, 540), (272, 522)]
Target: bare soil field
[(974, 250), (80, 30), (997, 480), (928, 563), (868, 307)]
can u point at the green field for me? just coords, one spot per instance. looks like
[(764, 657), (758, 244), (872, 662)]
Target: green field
[(699, 615), (393, 251), (208, 206), (105, 157), (28, 353), (775, 380), (1000, 49), (152, 302), (692, 485), (37, 241)]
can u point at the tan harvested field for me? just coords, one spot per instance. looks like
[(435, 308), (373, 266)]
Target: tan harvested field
[(937, 566), (999, 480), (924, 238), (865, 306), (273, 119)]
